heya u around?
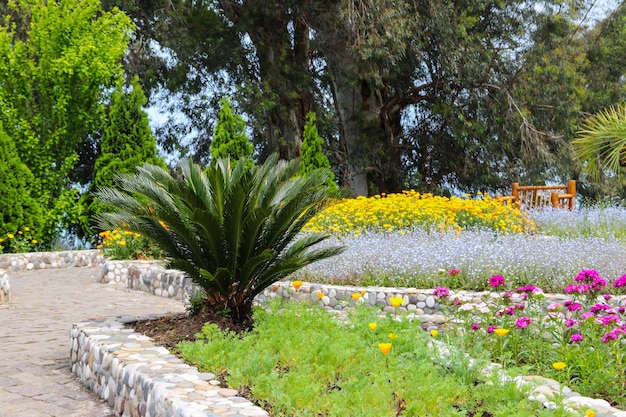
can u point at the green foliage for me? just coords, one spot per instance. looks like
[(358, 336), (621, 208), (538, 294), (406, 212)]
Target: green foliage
[(602, 140), (127, 141), (312, 156), (57, 59), (304, 362), (19, 208), (234, 230), (229, 137)]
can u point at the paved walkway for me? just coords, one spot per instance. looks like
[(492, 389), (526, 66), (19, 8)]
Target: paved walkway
[(35, 379)]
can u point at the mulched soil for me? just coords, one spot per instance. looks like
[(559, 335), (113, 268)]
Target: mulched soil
[(169, 331)]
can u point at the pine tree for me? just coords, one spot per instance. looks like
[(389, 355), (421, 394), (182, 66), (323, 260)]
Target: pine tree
[(127, 140), (229, 136), (312, 157)]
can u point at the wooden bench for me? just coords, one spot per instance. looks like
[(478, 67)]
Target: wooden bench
[(538, 197)]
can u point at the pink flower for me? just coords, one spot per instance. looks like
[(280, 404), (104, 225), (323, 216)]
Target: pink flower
[(490, 329), (606, 320), (612, 335), (496, 281), (586, 315), (441, 292), (570, 322), (529, 289), (457, 302), (577, 288), (454, 271), (572, 306), (576, 337), (554, 307), (586, 275), (620, 282), (600, 307), (475, 326), (523, 322)]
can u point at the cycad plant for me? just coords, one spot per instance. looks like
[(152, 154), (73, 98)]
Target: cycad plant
[(234, 230), (601, 140)]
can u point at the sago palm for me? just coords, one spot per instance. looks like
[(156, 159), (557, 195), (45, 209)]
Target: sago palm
[(602, 140), (235, 230)]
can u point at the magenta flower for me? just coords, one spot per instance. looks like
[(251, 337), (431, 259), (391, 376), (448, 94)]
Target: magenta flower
[(576, 337), (441, 292), (577, 288), (607, 320), (612, 335), (586, 315), (529, 289), (490, 329), (457, 302), (620, 282), (587, 275), (523, 322), (601, 307), (573, 306), (570, 322), (496, 281), (454, 271), (475, 326), (607, 297), (622, 310)]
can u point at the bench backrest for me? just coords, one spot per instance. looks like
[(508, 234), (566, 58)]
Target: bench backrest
[(537, 197)]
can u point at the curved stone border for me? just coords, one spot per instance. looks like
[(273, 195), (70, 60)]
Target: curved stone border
[(5, 287), (137, 378)]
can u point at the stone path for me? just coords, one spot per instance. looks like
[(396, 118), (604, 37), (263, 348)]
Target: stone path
[(35, 379)]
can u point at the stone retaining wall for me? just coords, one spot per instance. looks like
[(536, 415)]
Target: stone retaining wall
[(16, 262)]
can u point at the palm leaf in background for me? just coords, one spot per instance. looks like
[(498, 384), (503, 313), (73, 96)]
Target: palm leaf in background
[(602, 140), (234, 229)]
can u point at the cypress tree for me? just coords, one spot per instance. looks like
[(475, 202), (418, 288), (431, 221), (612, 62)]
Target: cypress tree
[(229, 136), (312, 157), (127, 140)]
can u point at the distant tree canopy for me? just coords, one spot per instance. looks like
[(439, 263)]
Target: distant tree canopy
[(57, 61), (437, 95)]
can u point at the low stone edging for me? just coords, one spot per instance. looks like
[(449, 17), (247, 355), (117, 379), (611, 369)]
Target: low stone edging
[(137, 378), (17, 262)]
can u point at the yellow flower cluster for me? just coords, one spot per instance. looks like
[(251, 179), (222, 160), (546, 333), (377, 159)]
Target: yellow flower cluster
[(411, 210), (115, 237)]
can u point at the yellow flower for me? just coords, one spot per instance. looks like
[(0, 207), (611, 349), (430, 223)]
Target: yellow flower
[(396, 301), (122, 243), (392, 336), (356, 296), (34, 241), (297, 284), (559, 366), (384, 348), (590, 413), (320, 295), (501, 332), (10, 235), (372, 326), (26, 229), (98, 246), (19, 232), (434, 332), (363, 292)]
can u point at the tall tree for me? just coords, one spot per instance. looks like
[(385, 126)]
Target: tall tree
[(57, 60), (312, 156)]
